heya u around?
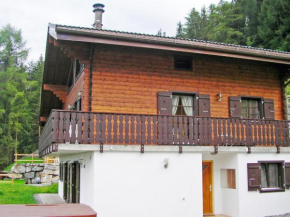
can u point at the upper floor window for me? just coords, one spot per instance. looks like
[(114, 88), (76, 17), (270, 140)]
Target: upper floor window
[(79, 68), (182, 105), (76, 69), (251, 108), (182, 63)]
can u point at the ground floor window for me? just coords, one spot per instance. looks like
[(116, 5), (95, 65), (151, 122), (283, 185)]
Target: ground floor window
[(268, 176), (228, 178), (271, 175)]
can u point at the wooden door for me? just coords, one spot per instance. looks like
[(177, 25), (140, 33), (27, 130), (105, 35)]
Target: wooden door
[(207, 187)]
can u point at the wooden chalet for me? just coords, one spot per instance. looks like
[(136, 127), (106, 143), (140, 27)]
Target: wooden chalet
[(219, 107)]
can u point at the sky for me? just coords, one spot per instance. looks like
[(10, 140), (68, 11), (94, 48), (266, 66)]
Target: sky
[(33, 16)]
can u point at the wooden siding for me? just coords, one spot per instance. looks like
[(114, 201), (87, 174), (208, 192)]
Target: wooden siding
[(127, 80)]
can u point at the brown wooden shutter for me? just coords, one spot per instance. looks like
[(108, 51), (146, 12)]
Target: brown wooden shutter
[(65, 180), (269, 109), (287, 175), (235, 107), (254, 176), (164, 103), (204, 105), (61, 171)]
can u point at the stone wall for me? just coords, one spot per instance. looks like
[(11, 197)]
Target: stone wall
[(36, 173)]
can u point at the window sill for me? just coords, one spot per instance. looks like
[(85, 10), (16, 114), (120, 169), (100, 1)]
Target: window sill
[(265, 190)]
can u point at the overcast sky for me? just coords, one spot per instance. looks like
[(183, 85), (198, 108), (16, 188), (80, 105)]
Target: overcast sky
[(33, 16)]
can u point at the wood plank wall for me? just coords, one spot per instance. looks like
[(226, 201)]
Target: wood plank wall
[(126, 80)]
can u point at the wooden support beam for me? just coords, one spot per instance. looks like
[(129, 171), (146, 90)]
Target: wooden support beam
[(43, 119), (52, 87), (58, 90)]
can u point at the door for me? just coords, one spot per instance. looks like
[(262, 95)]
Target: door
[(207, 187)]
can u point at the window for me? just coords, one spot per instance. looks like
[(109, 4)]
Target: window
[(268, 176), (79, 69), (70, 78), (251, 108), (271, 176), (182, 105), (228, 178), (182, 63), (76, 69)]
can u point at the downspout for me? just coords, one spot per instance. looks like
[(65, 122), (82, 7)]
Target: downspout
[(92, 52)]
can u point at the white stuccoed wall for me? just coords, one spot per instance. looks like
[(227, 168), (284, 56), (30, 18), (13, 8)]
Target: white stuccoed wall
[(131, 184), (240, 202), (255, 204), (225, 200)]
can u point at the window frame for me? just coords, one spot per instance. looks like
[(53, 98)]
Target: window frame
[(281, 172), (186, 58), (266, 107), (260, 106), (194, 96), (70, 76), (73, 74), (79, 69)]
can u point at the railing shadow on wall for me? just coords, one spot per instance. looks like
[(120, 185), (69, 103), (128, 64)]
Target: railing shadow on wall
[(74, 127)]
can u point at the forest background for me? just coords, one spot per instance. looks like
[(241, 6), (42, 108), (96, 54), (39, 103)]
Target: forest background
[(258, 23)]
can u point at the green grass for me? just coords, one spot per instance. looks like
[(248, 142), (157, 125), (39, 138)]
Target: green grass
[(24, 162), (21, 193)]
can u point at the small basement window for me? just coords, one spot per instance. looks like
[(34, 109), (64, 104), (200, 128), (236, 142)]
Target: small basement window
[(228, 178), (182, 63)]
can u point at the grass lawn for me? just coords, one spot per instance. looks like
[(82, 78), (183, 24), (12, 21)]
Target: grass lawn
[(27, 160), (21, 193)]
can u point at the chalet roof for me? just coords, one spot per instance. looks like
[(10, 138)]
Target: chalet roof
[(92, 35), (58, 26)]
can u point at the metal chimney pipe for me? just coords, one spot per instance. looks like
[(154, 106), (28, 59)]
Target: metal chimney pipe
[(98, 10)]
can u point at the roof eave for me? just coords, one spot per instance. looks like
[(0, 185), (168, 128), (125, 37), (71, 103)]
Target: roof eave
[(145, 41)]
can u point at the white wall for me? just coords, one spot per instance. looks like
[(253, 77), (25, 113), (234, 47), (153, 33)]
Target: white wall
[(87, 177), (255, 204), (131, 184), (225, 200)]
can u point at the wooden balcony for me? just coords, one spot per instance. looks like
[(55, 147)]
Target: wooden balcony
[(72, 127)]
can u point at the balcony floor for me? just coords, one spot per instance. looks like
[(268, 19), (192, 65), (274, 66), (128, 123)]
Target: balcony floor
[(68, 149)]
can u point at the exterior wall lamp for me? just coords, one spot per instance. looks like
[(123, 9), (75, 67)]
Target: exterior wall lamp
[(166, 162), (220, 95)]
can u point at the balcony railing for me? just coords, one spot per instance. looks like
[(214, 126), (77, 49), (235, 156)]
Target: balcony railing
[(74, 127)]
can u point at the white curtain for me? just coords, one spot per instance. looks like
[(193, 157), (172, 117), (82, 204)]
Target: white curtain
[(273, 172), (175, 101), (187, 103)]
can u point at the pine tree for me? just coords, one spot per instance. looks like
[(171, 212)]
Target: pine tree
[(19, 96)]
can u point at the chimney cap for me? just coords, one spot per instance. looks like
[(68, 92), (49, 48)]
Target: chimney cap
[(99, 7)]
